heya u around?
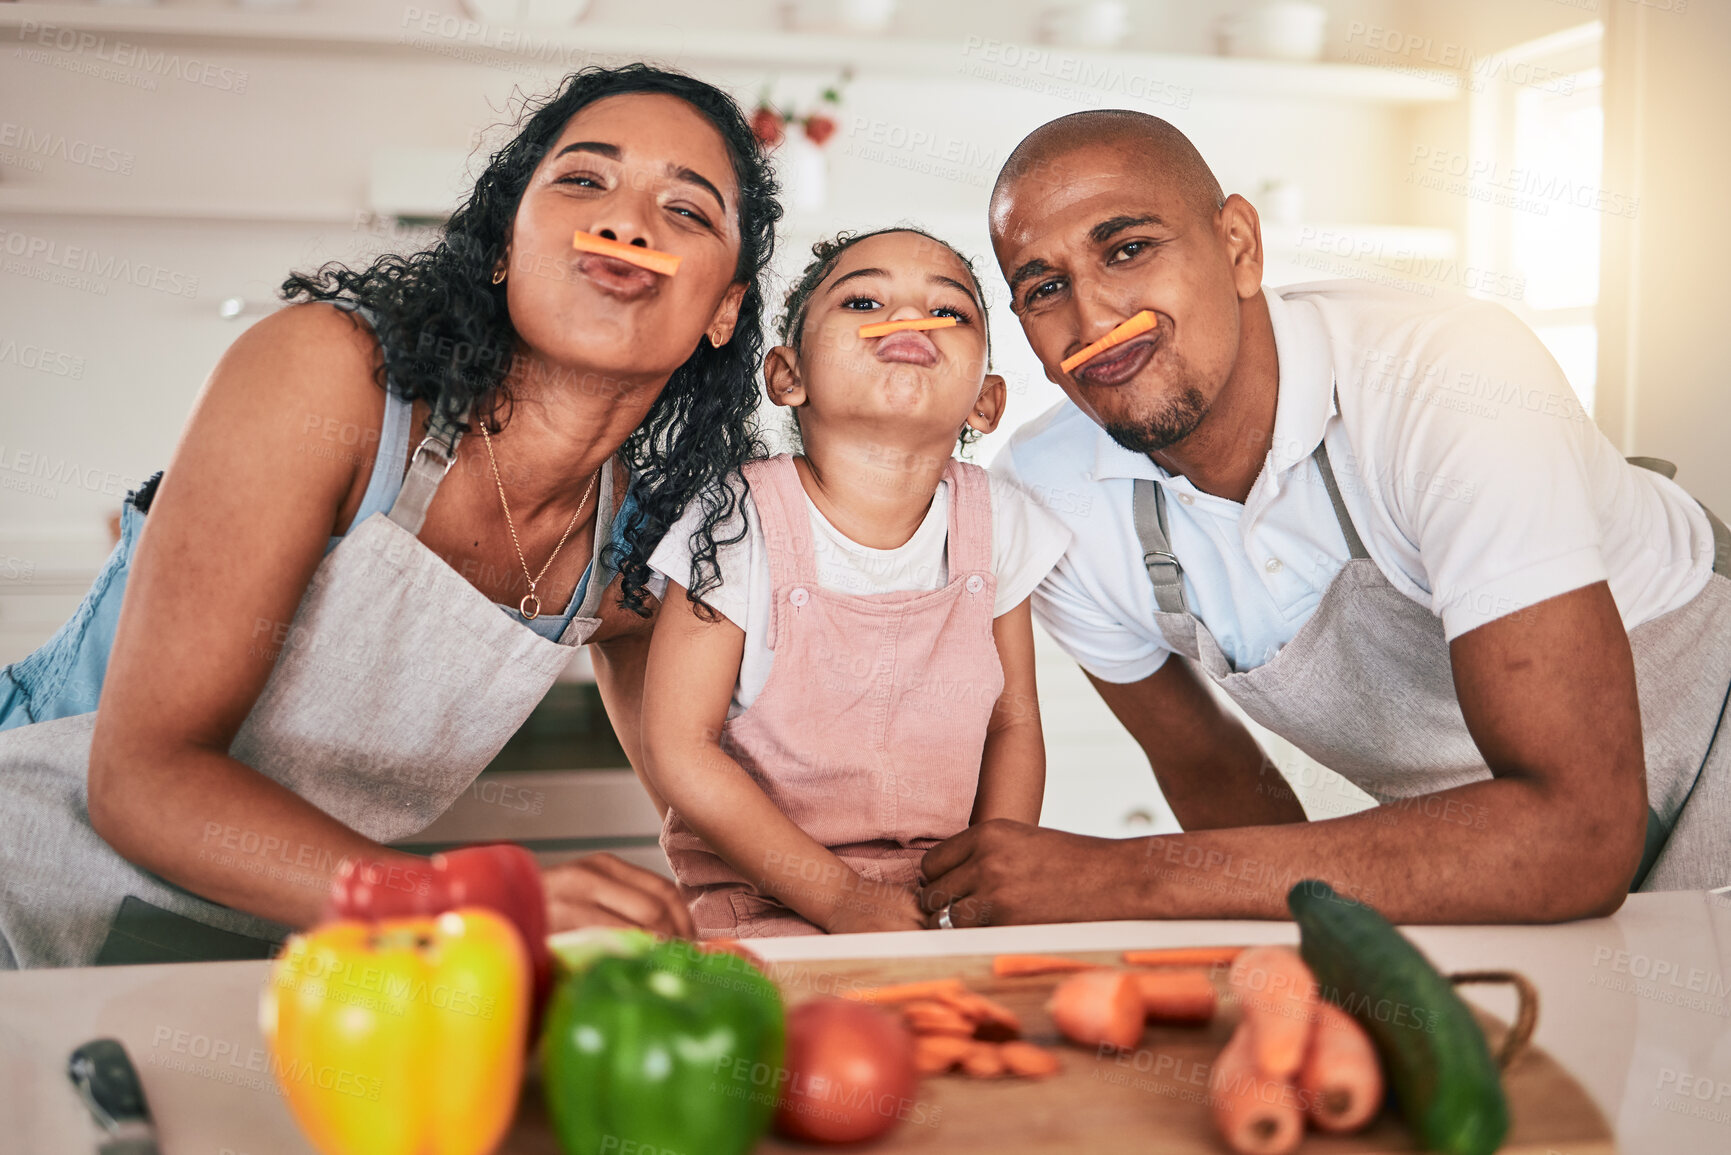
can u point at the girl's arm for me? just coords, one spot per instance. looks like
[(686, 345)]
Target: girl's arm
[(693, 667), (1013, 769)]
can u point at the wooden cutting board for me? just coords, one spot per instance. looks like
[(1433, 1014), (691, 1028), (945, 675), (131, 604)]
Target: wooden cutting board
[(1152, 1099)]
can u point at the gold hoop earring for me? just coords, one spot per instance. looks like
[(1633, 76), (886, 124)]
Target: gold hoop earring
[(499, 275), (715, 342)]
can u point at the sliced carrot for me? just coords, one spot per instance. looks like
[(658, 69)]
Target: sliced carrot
[(1098, 1008), (930, 1017), (1176, 996), (1256, 1115), (885, 328), (1027, 1059), (665, 264), (1134, 327), (1184, 956), (903, 992), (935, 1054), (1008, 965), (983, 1061), (1341, 1080), (992, 1020), (1278, 994)]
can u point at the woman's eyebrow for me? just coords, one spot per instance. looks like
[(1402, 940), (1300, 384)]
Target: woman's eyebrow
[(677, 171)]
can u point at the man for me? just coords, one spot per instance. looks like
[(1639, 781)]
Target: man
[(1385, 528)]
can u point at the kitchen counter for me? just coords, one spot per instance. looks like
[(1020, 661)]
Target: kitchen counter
[(1637, 1007)]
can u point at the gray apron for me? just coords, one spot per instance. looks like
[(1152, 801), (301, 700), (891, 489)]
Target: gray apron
[(397, 683), (1367, 689)]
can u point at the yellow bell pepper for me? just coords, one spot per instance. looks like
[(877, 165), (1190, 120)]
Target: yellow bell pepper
[(401, 1037)]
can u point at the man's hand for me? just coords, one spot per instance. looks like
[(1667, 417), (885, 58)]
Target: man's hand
[(1002, 872), (601, 890)]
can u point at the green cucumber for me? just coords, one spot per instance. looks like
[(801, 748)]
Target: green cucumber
[(1447, 1085)]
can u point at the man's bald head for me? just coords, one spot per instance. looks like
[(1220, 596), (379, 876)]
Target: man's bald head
[(1147, 140)]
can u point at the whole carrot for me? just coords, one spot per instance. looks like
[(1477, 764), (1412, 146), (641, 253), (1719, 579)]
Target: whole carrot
[(1278, 995), (1100, 1007), (1176, 996), (1256, 1114), (1341, 1080)]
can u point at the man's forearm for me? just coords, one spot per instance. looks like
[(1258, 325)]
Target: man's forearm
[(1493, 851)]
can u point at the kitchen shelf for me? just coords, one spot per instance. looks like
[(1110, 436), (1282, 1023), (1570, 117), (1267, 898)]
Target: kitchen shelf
[(55, 203), (1045, 68)]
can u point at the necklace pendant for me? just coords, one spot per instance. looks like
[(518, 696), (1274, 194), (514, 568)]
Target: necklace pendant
[(529, 607)]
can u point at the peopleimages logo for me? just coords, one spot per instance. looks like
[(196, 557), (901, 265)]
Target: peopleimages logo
[(25, 141), (125, 54)]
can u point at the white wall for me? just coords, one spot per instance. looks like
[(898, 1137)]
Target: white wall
[(1664, 366)]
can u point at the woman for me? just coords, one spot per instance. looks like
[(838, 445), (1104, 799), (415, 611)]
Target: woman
[(321, 649)]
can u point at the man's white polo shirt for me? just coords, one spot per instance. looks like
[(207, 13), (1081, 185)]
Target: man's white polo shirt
[(1475, 479)]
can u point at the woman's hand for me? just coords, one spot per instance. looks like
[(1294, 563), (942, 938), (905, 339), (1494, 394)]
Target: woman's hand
[(890, 908), (603, 890)]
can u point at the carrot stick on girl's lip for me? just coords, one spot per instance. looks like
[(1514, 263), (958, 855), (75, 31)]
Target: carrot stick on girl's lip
[(665, 264), (1134, 327), (885, 328)]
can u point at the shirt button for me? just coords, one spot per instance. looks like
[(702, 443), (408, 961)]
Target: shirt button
[(799, 597), (975, 583), (1273, 565), (1186, 499)]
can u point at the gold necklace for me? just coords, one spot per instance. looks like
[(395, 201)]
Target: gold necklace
[(530, 606)]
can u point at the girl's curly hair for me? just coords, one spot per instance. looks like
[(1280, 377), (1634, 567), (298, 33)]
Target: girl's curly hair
[(447, 336), (790, 327)]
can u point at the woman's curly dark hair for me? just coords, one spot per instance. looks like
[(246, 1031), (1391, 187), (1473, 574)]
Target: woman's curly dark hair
[(824, 255), (447, 336)]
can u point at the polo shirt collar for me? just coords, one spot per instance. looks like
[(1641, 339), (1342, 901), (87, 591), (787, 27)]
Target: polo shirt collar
[(1304, 401)]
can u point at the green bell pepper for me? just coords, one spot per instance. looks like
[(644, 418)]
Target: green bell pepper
[(675, 1049)]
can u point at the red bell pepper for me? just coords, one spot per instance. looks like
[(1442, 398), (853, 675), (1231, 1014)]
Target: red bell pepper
[(500, 876)]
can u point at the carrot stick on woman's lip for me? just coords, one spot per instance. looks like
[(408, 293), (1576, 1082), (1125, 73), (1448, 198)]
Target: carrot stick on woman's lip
[(665, 264), (885, 328), (1134, 327)]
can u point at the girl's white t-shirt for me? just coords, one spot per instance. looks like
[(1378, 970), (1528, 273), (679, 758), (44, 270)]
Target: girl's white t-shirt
[(1027, 541)]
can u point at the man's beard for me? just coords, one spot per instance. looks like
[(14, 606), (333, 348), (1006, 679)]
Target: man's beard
[(1171, 423)]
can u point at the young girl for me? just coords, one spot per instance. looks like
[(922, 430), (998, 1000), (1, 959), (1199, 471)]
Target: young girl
[(858, 684)]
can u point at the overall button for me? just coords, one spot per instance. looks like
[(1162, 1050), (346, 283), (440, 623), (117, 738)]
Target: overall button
[(975, 583), (799, 597), (1273, 565)]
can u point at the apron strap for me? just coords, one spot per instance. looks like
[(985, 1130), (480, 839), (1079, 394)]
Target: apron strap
[(600, 575), (1148, 509), (969, 548), (1354, 546), (432, 459)]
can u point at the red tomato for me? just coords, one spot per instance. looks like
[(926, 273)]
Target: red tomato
[(850, 1071)]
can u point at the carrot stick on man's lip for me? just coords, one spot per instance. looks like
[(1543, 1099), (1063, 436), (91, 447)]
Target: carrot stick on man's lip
[(885, 328), (665, 264), (1134, 327)]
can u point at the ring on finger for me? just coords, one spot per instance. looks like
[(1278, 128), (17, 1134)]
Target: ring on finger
[(944, 922)]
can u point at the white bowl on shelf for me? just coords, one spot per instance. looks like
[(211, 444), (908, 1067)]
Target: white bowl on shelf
[(1086, 24), (527, 11), (839, 15), (1277, 30)]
